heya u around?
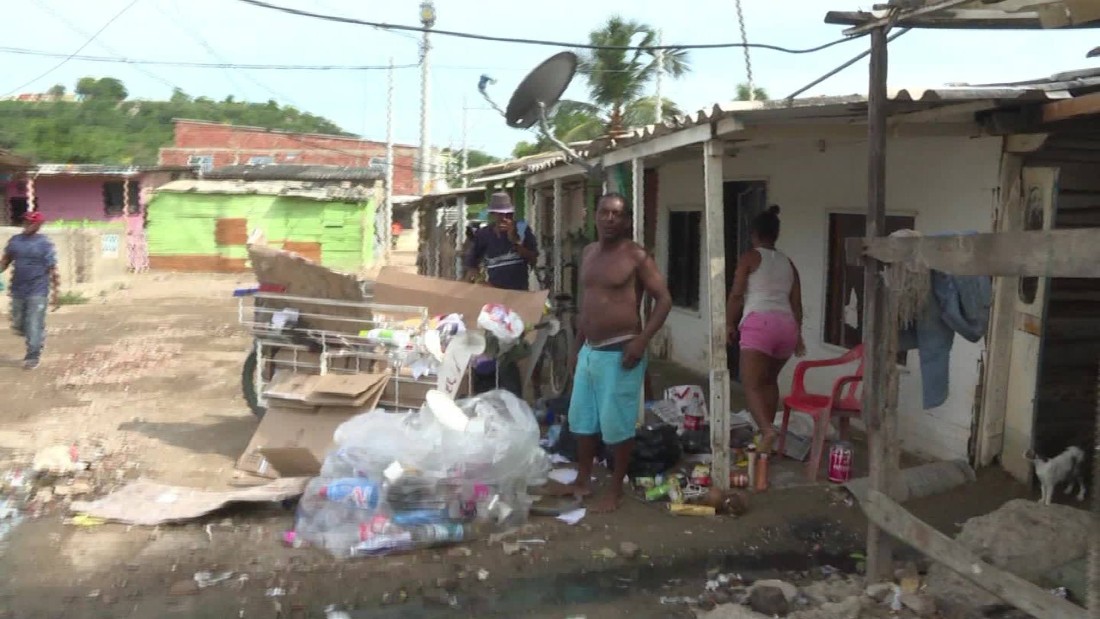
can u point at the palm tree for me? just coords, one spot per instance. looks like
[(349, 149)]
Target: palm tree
[(759, 94), (617, 82)]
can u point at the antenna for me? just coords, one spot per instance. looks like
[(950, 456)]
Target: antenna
[(539, 92)]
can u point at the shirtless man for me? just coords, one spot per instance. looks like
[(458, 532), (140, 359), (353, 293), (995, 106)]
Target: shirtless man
[(610, 355)]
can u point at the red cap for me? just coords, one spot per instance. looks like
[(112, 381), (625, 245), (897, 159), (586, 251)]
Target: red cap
[(34, 217)]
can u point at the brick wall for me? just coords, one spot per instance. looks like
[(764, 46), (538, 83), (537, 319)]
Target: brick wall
[(232, 145)]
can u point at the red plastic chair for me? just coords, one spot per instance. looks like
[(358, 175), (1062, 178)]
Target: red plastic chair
[(842, 403)]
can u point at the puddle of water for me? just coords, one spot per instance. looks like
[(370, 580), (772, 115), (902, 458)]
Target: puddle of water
[(519, 596)]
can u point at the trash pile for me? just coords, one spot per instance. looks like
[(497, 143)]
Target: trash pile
[(55, 477), (449, 472)]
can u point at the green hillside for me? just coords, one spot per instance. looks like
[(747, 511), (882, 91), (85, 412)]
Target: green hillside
[(103, 126)]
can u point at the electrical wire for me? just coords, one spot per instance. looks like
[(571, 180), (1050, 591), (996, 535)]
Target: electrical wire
[(840, 68), (486, 37), (206, 65), (76, 51)]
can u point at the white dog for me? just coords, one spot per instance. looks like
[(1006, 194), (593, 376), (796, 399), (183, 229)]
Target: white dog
[(1065, 468)]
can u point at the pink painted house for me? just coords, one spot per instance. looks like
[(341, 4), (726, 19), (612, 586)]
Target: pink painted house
[(80, 194)]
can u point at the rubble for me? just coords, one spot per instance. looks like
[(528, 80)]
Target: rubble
[(769, 600)]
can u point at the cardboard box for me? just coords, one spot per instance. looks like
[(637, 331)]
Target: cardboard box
[(444, 296), (303, 412)]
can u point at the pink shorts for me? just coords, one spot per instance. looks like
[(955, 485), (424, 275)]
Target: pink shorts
[(773, 333)]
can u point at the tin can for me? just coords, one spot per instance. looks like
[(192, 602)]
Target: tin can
[(739, 480), (683, 509), (675, 493), (693, 422), (700, 475), (840, 462), (760, 483)]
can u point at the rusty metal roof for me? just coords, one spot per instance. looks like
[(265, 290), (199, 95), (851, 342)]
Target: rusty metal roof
[(295, 172), (287, 188), (978, 14), (10, 160), (847, 108)]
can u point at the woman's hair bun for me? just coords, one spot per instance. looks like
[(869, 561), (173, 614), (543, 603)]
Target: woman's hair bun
[(773, 209)]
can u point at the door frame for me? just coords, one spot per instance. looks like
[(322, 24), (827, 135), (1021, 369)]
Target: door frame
[(733, 360)]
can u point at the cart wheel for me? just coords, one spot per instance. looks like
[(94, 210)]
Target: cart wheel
[(248, 386)]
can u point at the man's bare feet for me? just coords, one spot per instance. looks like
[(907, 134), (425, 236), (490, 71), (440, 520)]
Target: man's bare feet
[(768, 440), (607, 502)]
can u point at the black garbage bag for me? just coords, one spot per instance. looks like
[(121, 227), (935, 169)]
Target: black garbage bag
[(567, 445), (696, 441), (656, 450)]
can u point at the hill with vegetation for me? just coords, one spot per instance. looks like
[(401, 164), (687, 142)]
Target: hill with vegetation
[(101, 125)]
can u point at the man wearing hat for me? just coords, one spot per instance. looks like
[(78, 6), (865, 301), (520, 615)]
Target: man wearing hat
[(33, 279), (506, 246)]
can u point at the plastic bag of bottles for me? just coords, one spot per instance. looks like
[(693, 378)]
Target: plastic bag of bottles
[(444, 474)]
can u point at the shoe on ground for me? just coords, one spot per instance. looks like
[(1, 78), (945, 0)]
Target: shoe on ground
[(30, 364)]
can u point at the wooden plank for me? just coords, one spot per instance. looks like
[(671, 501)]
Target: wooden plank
[(558, 210), (637, 202), (1038, 253), (898, 522), (715, 234), (994, 395), (1083, 105), (876, 341)]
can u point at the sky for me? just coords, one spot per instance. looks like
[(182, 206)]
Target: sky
[(232, 31)]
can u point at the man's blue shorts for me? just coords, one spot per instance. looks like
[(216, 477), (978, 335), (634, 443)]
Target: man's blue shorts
[(606, 396)]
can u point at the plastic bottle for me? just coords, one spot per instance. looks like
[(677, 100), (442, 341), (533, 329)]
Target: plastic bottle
[(420, 517), (392, 337), (761, 482), (384, 543), (358, 491)]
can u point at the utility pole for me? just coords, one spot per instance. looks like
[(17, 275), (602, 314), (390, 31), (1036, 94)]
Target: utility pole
[(465, 148), (387, 206), (427, 19), (659, 107)]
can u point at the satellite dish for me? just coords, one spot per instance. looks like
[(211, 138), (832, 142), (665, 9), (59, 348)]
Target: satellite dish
[(540, 90)]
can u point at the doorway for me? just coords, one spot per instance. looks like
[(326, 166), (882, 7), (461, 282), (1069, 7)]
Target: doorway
[(18, 208), (742, 201)]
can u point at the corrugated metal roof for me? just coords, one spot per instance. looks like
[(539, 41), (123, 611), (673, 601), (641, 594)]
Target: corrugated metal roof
[(97, 169), (296, 172), (296, 189), (851, 107), (980, 14), (9, 159)]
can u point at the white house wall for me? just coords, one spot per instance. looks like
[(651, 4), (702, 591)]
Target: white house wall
[(948, 184)]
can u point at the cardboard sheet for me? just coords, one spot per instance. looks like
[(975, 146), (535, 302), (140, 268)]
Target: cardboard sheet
[(308, 429), (444, 296), (148, 503)]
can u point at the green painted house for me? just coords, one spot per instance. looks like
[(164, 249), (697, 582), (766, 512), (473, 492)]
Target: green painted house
[(204, 225)]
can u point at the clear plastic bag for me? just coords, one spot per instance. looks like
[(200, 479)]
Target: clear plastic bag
[(397, 482)]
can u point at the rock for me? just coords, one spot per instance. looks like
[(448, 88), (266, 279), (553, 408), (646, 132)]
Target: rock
[(880, 592), (835, 589), (459, 551), (769, 601), (629, 550), (184, 587), (606, 553), (732, 611), (922, 605), (790, 592), (511, 548), (1022, 537), (722, 597)]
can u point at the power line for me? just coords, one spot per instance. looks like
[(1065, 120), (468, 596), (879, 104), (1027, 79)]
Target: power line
[(485, 37), (77, 50), (203, 65)]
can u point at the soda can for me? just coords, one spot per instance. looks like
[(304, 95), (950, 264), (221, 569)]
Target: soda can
[(739, 480), (693, 422), (840, 462), (700, 475), (675, 493), (692, 510)]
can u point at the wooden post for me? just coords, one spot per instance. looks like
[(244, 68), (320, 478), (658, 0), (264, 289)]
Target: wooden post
[(460, 237), (637, 202), (1094, 533), (559, 260), (714, 226), (876, 319)]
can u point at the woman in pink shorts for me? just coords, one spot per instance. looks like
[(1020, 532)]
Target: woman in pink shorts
[(765, 306)]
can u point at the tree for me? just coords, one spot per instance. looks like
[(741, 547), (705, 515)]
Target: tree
[(103, 89), (56, 91), (474, 159), (759, 94), (617, 81), (85, 87)]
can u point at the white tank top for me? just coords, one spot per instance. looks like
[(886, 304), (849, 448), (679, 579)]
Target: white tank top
[(769, 288)]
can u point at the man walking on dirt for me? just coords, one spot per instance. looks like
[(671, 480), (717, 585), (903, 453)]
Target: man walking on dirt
[(610, 360), (34, 278)]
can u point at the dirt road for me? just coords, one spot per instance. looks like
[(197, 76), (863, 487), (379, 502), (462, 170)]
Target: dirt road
[(145, 381)]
